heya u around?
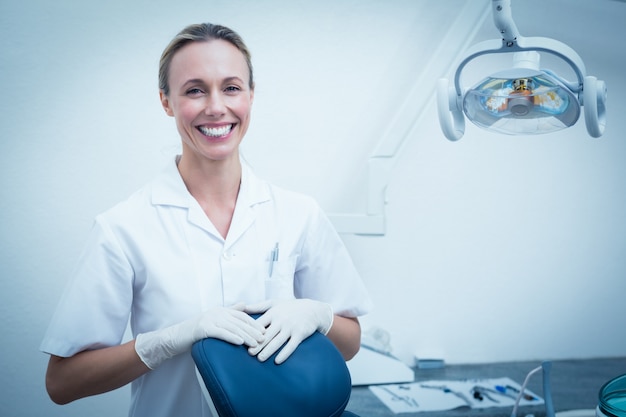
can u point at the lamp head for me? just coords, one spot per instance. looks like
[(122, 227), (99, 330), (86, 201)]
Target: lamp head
[(522, 100)]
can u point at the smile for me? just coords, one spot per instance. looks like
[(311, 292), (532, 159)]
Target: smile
[(215, 132)]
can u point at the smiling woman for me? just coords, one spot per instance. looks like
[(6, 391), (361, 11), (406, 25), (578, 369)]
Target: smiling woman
[(211, 100), (187, 257)]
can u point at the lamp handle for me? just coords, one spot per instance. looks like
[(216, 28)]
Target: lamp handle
[(451, 118), (594, 99)]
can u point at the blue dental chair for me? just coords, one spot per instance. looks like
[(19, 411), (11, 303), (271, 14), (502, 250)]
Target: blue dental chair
[(313, 382)]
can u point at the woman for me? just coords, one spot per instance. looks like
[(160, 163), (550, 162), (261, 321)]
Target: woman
[(194, 251)]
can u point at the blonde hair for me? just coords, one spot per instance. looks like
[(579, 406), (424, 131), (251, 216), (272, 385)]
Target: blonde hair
[(201, 32)]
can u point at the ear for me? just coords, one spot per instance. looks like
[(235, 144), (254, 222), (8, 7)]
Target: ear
[(165, 102)]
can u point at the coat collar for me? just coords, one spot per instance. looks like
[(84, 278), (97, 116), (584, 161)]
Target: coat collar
[(169, 189)]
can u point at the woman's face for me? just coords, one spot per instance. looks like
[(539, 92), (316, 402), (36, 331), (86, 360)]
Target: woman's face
[(210, 99)]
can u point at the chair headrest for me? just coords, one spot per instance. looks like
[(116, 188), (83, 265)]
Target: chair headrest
[(313, 382)]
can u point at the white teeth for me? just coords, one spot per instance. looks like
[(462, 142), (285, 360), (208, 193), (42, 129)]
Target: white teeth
[(216, 131)]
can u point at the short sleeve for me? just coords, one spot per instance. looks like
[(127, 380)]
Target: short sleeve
[(326, 271), (95, 306)]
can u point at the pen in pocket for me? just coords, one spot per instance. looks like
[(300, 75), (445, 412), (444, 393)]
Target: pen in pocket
[(273, 258)]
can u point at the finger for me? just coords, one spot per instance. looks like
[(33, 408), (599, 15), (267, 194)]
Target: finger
[(273, 346), (240, 306), (254, 350), (249, 340), (268, 337), (265, 320), (249, 321), (286, 351), (227, 336), (261, 307), (251, 334)]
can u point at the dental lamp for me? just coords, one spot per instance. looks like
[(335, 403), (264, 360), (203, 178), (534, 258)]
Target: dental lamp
[(525, 99)]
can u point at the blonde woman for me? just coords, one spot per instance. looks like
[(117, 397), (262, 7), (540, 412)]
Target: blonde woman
[(189, 255)]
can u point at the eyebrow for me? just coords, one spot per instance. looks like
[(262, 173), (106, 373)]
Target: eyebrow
[(225, 80)]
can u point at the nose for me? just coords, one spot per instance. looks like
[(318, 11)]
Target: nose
[(215, 105)]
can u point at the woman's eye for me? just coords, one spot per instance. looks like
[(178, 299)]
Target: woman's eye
[(194, 91), (232, 89)]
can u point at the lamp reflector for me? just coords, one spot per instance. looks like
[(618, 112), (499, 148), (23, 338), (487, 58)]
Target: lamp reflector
[(522, 100)]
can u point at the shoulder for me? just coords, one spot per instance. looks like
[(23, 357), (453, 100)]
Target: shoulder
[(293, 205), (260, 191), (297, 199), (131, 209), (166, 189)]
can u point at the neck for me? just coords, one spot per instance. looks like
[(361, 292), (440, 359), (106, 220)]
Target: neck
[(215, 186), (207, 180)]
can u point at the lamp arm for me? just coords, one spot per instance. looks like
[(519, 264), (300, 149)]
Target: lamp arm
[(503, 19), (512, 41), (492, 46), (539, 44)]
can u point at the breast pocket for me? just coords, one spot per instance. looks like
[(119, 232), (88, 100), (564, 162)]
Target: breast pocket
[(279, 280)]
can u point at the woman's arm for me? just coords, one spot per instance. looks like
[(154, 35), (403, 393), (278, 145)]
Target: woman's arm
[(346, 335), (92, 372)]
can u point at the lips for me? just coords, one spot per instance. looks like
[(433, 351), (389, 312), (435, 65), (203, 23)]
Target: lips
[(216, 132)]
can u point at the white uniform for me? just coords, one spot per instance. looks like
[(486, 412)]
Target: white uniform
[(157, 260)]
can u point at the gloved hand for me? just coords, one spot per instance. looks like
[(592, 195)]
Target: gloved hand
[(290, 321), (229, 324)]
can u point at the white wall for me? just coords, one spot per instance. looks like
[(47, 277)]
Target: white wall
[(497, 248)]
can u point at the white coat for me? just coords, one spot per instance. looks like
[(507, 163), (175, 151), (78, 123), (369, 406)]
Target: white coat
[(156, 260)]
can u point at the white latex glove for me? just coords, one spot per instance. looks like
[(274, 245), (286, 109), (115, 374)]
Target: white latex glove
[(229, 324), (290, 321)]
